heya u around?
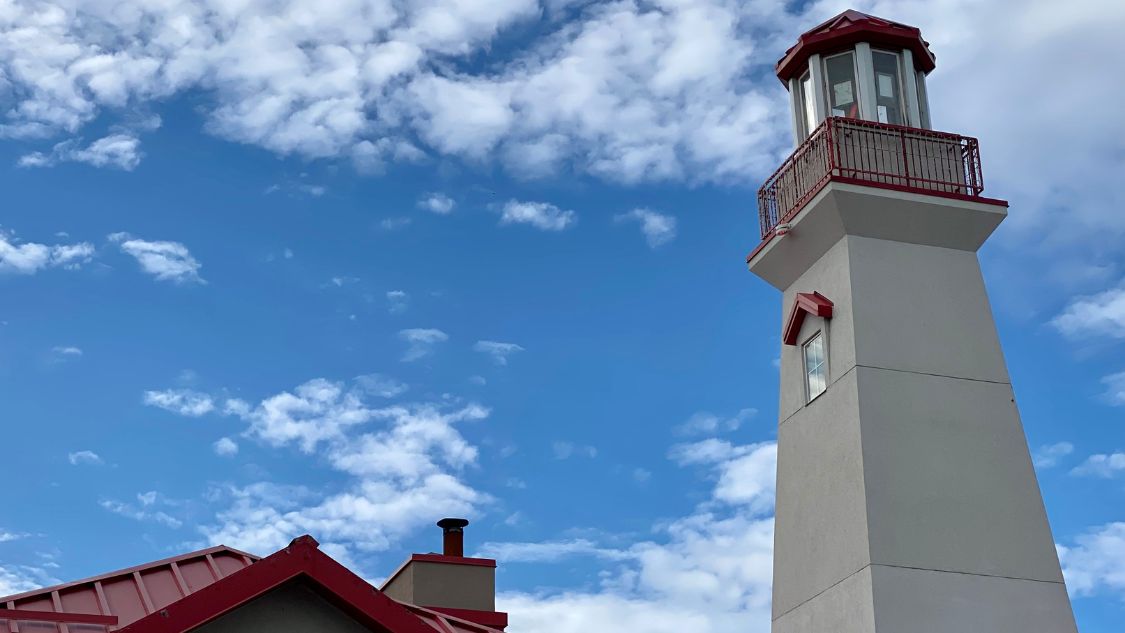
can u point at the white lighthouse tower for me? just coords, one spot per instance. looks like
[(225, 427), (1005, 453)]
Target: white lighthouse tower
[(906, 498)]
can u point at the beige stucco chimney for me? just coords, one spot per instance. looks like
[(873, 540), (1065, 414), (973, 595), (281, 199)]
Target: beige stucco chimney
[(450, 582)]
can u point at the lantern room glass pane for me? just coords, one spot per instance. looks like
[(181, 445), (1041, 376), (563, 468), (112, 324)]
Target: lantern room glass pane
[(888, 88), (843, 95), (923, 100), (808, 103)]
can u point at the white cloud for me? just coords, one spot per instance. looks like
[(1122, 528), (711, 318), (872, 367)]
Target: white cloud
[(315, 412), (1096, 563), (20, 578), (31, 257), (6, 536), (546, 552), (87, 458), (658, 228), (1115, 388), (144, 513), (498, 351), (64, 353), (1098, 315), (357, 80), (297, 189), (181, 401), (225, 447), (393, 224), (398, 301), (421, 342), (167, 261), (743, 471), (438, 203), (1050, 454), (400, 463), (706, 423), (541, 215), (380, 385), (710, 570), (566, 450), (122, 151), (1102, 465)]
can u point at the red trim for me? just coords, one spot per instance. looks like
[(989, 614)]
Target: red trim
[(453, 560), (760, 247), (28, 615), (492, 619), (301, 560), (806, 303)]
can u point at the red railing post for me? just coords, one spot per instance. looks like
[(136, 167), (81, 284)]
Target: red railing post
[(905, 158)]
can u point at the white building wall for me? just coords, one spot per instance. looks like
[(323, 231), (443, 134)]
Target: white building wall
[(905, 492)]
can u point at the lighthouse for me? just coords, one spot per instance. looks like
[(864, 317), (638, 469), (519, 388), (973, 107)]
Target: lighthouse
[(906, 497)]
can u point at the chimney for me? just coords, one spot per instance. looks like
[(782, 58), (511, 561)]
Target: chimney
[(453, 536), (450, 582)]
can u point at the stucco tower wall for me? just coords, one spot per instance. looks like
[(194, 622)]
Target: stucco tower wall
[(906, 497)]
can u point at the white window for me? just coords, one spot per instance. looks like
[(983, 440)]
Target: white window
[(843, 93), (816, 366), (888, 88)]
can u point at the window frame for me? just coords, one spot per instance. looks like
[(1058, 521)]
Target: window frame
[(822, 367), (900, 86), (857, 96)]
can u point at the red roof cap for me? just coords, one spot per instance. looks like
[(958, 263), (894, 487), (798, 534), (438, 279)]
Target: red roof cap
[(847, 29)]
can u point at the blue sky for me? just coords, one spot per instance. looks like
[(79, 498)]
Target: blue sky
[(269, 270)]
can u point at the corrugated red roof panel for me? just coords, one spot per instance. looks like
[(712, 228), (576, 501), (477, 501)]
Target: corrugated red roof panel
[(127, 594)]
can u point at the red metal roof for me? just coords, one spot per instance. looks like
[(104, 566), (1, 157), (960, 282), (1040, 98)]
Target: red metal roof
[(120, 597), (847, 29), (178, 594), (812, 303)]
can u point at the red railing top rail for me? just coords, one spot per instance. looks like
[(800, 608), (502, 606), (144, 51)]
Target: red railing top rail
[(873, 154)]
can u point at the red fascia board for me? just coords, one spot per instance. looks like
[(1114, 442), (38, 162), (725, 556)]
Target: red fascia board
[(129, 571), (796, 59), (805, 303), (301, 560), (491, 619), (27, 615), (453, 560)]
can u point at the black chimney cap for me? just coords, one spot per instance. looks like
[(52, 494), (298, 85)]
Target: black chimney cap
[(448, 524)]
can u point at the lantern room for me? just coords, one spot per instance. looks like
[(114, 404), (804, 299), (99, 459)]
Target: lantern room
[(861, 67)]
